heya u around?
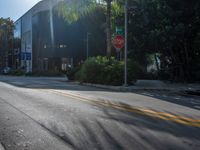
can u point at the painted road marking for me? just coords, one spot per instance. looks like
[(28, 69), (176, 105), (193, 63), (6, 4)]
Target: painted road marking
[(124, 107)]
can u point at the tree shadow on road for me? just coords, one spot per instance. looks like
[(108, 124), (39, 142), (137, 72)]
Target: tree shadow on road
[(120, 130)]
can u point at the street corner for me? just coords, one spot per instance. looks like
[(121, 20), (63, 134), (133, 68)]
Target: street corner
[(1, 147)]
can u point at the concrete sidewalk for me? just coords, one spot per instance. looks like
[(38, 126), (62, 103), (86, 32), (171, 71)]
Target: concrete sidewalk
[(64, 78), (148, 85)]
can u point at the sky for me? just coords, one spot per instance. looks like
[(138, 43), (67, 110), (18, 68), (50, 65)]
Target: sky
[(15, 8)]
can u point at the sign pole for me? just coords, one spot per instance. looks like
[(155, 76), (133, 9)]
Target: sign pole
[(126, 46), (87, 45), (87, 48)]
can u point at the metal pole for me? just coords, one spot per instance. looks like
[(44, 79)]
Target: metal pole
[(87, 40), (87, 45), (126, 43)]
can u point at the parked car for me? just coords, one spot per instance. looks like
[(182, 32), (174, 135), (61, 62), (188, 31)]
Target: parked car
[(6, 70)]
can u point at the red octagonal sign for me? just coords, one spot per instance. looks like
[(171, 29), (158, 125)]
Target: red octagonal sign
[(118, 42)]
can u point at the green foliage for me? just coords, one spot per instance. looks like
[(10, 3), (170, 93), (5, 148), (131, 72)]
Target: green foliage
[(71, 72), (75, 31), (109, 71), (74, 10), (170, 28), (117, 15), (17, 72), (6, 38), (6, 27)]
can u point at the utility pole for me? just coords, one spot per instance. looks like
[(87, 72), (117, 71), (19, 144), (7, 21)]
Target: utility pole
[(126, 43), (87, 48)]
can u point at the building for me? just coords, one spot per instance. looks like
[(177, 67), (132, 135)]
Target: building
[(33, 38), (43, 41)]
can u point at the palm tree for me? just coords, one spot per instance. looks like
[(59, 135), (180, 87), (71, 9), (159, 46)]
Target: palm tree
[(108, 27), (75, 9)]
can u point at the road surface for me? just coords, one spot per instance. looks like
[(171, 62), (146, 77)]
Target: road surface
[(35, 114)]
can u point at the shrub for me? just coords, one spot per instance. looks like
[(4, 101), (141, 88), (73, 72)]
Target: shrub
[(17, 72), (70, 72), (103, 70)]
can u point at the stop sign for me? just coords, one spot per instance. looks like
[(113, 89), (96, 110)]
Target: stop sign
[(118, 42)]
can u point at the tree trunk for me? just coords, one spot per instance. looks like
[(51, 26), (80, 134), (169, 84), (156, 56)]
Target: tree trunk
[(108, 27)]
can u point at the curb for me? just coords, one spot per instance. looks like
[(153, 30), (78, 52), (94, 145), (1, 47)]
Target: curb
[(137, 88), (125, 89), (188, 95)]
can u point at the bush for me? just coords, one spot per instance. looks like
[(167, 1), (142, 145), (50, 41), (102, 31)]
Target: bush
[(45, 73), (70, 72), (103, 70), (17, 73)]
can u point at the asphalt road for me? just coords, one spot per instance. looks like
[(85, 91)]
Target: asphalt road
[(34, 117)]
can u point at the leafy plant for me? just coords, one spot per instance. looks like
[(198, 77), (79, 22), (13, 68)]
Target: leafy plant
[(109, 71)]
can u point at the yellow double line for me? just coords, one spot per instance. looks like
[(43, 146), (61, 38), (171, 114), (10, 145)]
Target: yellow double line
[(141, 111)]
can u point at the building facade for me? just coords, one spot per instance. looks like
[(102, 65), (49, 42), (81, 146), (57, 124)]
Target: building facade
[(36, 47), (44, 41)]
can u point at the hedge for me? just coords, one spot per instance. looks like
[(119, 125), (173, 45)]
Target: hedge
[(109, 71)]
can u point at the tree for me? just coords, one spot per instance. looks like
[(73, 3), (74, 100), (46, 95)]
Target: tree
[(170, 28), (167, 27), (108, 27), (74, 10), (6, 37)]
